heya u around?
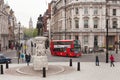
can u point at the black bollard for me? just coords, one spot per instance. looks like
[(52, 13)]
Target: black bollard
[(70, 62), (44, 72), (7, 65), (2, 69), (78, 66)]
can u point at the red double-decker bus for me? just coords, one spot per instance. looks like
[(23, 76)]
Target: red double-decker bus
[(71, 48)]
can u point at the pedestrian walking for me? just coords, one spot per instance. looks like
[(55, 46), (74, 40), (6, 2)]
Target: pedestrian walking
[(112, 61), (27, 58), (18, 54), (6, 47), (22, 56), (47, 44), (97, 60)]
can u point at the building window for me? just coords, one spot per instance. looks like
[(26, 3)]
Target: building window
[(70, 24), (85, 10), (76, 37), (69, 36), (114, 24), (95, 41), (85, 39), (95, 23), (76, 11), (76, 23), (85, 23), (95, 11), (114, 12)]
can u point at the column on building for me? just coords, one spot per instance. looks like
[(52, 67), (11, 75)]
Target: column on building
[(91, 40), (72, 22), (91, 21)]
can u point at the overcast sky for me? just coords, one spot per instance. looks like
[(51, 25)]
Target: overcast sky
[(24, 9)]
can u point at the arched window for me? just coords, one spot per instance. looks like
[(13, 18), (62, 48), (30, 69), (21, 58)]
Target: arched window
[(95, 23), (76, 23), (114, 23), (86, 23)]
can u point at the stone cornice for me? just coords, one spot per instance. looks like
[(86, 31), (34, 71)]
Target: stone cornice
[(115, 5), (89, 3), (82, 3)]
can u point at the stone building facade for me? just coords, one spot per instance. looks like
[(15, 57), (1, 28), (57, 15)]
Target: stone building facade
[(12, 23), (7, 24), (85, 20), (113, 16), (46, 18), (3, 25)]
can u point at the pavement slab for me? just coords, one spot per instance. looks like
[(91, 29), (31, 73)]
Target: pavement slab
[(88, 72)]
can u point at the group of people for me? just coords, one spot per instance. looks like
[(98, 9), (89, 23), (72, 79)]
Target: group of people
[(112, 60), (26, 57)]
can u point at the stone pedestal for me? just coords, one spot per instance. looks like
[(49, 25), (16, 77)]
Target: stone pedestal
[(40, 58), (40, 62)]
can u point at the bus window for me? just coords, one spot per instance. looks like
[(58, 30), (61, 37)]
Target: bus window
[(62, 49), (56, 49), (77, 46), (59, 49), (62, 43)]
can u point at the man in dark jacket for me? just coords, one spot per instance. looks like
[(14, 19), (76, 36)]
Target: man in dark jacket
[(27, 58)]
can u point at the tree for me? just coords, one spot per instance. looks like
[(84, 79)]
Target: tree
[(35, 31), (29, 33)]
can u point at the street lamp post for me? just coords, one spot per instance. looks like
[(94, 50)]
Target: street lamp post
[(116, 43), (107, 20), (13, 30), (19, 31), (65, 19), (19, 43), (107, 41)]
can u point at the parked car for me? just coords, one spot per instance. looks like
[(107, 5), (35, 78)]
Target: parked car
[(4, 59)]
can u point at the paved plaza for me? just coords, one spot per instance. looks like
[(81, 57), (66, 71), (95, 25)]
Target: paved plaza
[(59, 69), (88, 72)]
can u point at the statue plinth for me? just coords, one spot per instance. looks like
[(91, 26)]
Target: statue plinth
[(40, 58), (39, 62)]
